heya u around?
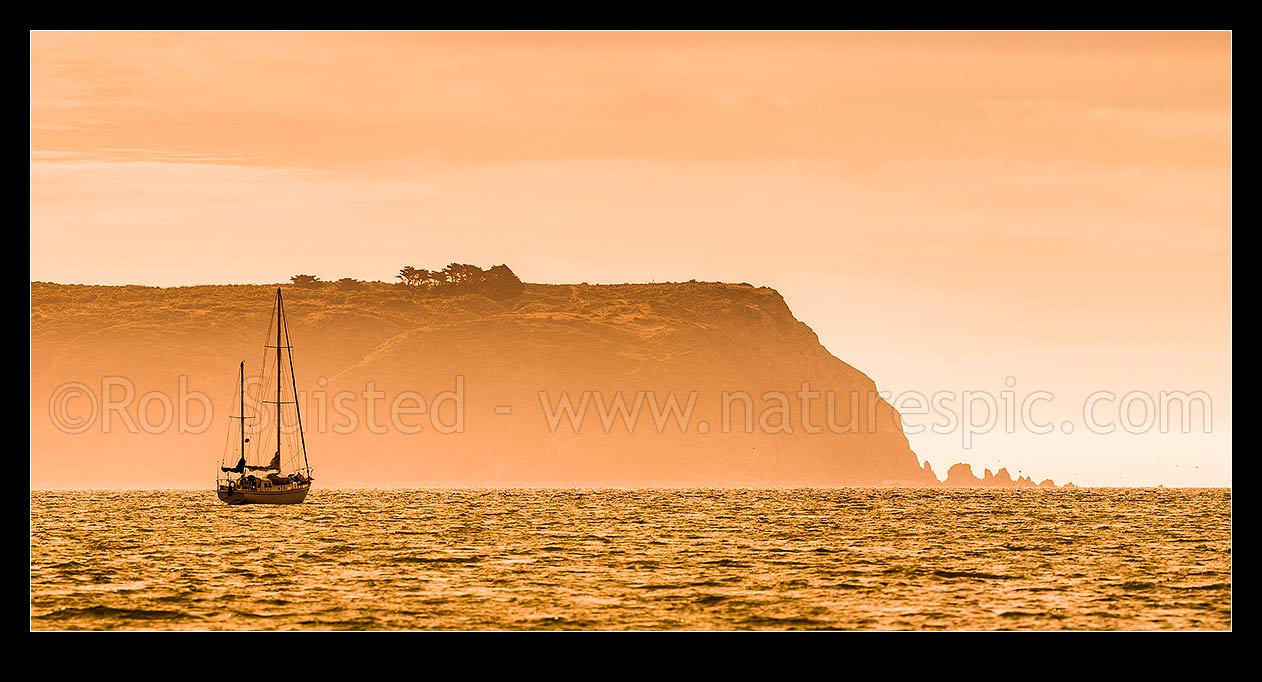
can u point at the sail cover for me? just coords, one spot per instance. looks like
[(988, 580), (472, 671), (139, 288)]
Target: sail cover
[(273, 465), (236, 469)]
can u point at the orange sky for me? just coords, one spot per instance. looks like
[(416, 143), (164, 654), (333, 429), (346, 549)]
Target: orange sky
[(945, 210)]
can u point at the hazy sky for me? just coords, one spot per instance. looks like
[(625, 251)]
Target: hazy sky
[(945, 210)]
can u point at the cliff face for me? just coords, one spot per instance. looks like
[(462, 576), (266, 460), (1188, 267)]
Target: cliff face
[(769, 405)]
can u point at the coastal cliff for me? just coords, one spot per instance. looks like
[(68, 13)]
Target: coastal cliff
[(674, 384)]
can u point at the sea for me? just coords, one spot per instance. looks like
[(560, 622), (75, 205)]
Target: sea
[(696, 559)]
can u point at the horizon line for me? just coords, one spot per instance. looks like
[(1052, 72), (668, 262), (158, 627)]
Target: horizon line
[(672, 488), (374, 281)]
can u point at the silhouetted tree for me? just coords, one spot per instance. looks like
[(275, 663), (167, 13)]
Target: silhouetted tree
[(349, 284), (306, 281), (425, 278), (458, 275), (500, 283), (408, 275)]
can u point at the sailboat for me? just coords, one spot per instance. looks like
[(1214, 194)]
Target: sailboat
[(247, 483)]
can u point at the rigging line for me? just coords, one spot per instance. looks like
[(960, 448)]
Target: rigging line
[(272, 380), (258, 424), (291, 439), (301, 436), (285, 440), (291, 461), (261, 424), (264, 377), (228, 438), (270, 321), (280, 426)]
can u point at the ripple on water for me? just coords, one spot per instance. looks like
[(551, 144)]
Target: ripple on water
[(635, 559)]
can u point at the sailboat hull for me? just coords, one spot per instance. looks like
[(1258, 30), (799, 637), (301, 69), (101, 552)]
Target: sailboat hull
[(289, 495)]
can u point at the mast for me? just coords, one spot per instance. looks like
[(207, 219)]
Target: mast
[(278, 367), (242, 375)]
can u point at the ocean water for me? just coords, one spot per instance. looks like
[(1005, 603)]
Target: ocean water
[(1132, 559)]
